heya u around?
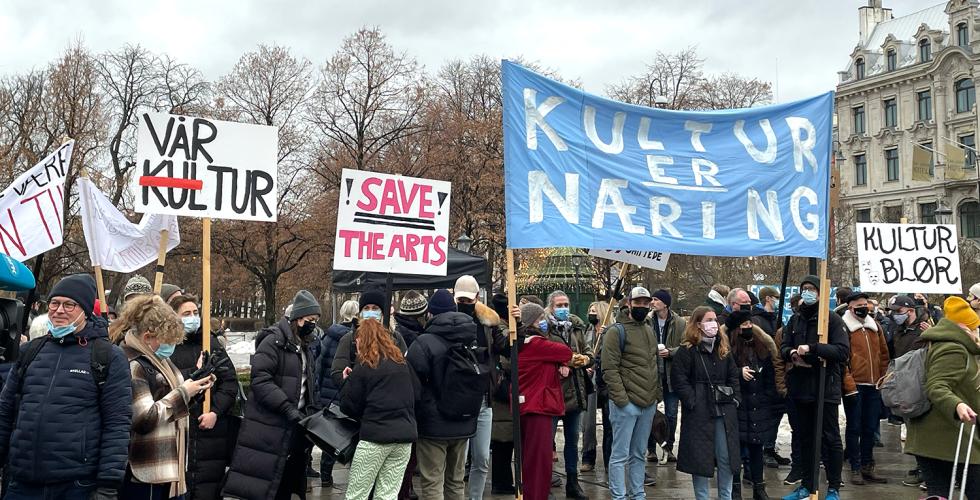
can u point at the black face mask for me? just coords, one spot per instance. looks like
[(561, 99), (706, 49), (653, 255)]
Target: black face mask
[(594, 319), (307, 329), (746, 333), (920, 302), (467, 309), (861, 312), (639, 313)]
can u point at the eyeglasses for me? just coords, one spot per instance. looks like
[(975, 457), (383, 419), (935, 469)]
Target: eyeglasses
[(67, 305)]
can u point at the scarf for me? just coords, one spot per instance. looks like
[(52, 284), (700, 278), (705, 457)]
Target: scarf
[(708, 343), (716, 297)]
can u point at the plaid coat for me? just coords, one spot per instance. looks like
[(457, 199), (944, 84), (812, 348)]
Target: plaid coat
[(157, 443)]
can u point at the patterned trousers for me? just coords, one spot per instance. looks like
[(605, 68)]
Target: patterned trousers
[(380, 467)]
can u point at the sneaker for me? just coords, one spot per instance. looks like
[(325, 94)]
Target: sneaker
[(857, 478), (586, 468), (649, 481), (670, 457), (326, 482), (832, 494), (912, 478), (652, 456), (794, 477), (800, 493)]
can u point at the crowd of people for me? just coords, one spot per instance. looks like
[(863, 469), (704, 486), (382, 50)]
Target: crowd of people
[(133, 407)]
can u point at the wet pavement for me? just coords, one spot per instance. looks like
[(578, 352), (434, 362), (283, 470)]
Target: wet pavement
[(892, 464)]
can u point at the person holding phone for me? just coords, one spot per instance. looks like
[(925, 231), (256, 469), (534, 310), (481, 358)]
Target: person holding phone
[(755, 356), (149, 331)]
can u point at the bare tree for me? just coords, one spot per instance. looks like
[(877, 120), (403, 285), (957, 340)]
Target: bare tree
[(370, 97), (732, 91), (677, 76)]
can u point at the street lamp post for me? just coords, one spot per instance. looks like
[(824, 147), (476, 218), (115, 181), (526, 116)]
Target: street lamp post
[(463, 243), (944, 215), (577, 261)]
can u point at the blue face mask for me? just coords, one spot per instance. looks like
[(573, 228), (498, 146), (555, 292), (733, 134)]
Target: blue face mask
[(191, 323), (809, 297), (561, 313), (543, 325), (166, 350), (375, 315), (60, 331)]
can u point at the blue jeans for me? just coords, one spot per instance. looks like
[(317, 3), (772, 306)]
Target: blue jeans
[(671, 403), (862, 410), (722, 462), (570, 432), (67, 490), (479, 451), (631, 429)]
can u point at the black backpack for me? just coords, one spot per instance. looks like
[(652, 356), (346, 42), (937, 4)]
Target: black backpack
[(465, 381), (101, 355)]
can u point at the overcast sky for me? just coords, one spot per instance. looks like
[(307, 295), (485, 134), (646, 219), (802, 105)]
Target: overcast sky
[(597, 42)]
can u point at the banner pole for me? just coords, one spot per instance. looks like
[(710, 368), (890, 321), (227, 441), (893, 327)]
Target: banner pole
[(606, 318), (782, 293), (205, 295), (515, 392), (823, 316), (161, 261), (100, 286)]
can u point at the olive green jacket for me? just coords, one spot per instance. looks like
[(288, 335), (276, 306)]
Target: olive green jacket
[(952, 377), (632, 374), (574, 386)]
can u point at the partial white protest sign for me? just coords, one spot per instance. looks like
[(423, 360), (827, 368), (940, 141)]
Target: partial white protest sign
[(392, 224), (113, 242), (898, 258), (642, 258), (32, 207), (206, 168)]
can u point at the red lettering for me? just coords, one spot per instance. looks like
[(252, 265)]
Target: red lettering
[(347, 235), (389, 199), (410, 198), (426, 202), (441, 254), (372, 201), (397, 244), (15, 239), (412, 241), (37, 205), (377, 246)]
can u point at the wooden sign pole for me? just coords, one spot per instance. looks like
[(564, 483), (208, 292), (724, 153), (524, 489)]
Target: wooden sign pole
[(100, 286), (161, 261), (606, 318), (823, 317), (205, 296), (515, 394)]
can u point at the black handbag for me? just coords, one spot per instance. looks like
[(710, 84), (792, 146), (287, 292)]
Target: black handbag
[(333, 432)]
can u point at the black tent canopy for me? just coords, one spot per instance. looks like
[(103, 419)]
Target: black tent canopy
[(459, 264)]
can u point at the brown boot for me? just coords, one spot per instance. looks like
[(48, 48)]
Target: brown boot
[(856, 478), (869, 475)]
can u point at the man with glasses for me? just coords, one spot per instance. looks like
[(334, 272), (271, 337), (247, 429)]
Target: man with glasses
[(65, 415)]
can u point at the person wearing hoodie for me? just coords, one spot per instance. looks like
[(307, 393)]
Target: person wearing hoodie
[(801, 348), (492, 340), (270, 457), (862, 399), (756, 357), (952, 376), (329, 392), (46, 405), (211, 436), (441, 448), (541, 395), (372, 304), (569, 329)]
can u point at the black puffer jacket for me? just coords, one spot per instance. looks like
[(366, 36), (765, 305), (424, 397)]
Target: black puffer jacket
[(765, 320), (383, 400), (427, 356), (801, 382), (271, 413), (328, 351), (65, 428), (207, 454), (409, 328), (690, 374)]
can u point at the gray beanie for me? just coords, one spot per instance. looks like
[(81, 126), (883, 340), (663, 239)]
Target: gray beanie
[(137, 285), (304, 304), (531, 313)]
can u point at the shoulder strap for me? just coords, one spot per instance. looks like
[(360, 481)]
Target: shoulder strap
[(26, 357), (705, 365), (151, 374), (622, 336), (101, 355)]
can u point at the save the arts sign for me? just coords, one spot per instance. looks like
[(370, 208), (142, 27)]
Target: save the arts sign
[(206, 168), (392, 224), (900, 258)]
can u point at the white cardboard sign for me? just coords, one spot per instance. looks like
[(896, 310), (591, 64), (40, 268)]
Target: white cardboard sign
[(31, 208), (898, 258), (642, 258), (392, 224), (206, 168)]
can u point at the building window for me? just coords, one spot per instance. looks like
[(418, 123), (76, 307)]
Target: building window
[(966, 95), (924, 99), (859, 69), (962, 36), (858, 120), (925, 50), (927, 146), (860, 170), (970, 219), (893, 214), (927, 213), (891, 113), (970, 147), (891, 60), (891, 162), (862, 215)]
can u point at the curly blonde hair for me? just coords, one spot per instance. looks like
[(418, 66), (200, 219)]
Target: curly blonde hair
[(148, 313)]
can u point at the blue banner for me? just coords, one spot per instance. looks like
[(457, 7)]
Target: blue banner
[(584, 171)]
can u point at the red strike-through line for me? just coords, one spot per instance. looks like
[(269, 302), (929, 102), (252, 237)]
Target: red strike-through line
[(171, 182)]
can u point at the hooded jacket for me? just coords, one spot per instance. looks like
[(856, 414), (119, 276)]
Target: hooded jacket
[(869, 352), (631, 373), (801, 381), (427, 357), (65, 428)]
